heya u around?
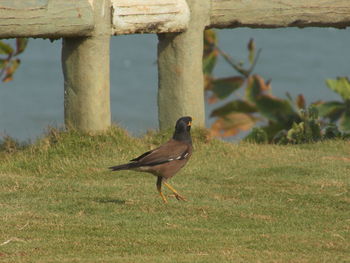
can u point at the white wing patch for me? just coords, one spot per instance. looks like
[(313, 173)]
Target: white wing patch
[(181, 157)]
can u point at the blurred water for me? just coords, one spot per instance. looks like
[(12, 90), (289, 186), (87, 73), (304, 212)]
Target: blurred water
[(297, 60)]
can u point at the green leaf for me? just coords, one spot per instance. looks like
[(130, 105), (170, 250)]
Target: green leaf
[(256, 86), (297, 133), (332, 131), (312, 131), (276, 109), (280, 137), (331, 109), (209, 62), (210, 38), (341, 86), (257, 135), (210, 52), (345, 121), (234, 106), (224, 87), (313, 112), (5, 48), (275, 130), (21, 44), (3, 63), (251, 49)]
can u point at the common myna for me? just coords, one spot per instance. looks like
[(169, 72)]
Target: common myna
[(166, 160)]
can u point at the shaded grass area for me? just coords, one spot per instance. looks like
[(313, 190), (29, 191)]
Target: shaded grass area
[(247, 203)]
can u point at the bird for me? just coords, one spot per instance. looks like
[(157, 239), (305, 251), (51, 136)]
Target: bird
[(166, 160)]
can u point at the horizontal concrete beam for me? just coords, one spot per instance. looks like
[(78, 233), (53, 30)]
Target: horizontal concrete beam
[(66, 18), (149, 16), (45, 18), (280, 13)]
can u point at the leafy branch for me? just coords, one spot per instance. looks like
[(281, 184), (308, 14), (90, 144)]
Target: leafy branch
[(9, 61)]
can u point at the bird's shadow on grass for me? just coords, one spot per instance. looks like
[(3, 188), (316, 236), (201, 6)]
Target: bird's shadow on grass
[(110, 200)]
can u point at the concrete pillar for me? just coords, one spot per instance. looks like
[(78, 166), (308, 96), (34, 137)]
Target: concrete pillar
[(180, 75), (86, 70)]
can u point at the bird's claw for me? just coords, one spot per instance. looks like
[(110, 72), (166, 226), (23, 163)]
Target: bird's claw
[(180, 198)]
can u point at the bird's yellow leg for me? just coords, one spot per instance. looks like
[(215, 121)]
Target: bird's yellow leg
[(162, 196), (177, 195), (159, 188)]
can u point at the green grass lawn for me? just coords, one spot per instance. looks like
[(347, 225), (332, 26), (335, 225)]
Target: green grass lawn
[(247, 203)]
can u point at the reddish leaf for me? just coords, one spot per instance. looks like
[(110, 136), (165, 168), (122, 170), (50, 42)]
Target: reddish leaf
[(232, 124), (210, 38), (264, 85), (208, 80), (213, 99), (21, 44), (300, 101), (10, 70)]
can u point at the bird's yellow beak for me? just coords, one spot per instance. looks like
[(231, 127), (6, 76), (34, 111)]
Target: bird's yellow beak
[(190, 123)]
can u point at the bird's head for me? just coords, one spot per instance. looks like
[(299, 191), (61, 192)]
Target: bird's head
[(182, 129)]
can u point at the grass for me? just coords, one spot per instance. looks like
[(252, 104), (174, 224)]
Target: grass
[(247, 203)]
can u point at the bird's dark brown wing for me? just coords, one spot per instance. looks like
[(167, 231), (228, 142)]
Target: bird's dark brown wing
[(170, 151), (141, 156)]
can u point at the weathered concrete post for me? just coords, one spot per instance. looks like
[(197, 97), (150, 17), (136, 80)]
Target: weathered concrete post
[(85, 62), (180, 75)]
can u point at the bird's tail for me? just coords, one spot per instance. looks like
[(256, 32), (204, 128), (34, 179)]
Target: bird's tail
[(123, 167)]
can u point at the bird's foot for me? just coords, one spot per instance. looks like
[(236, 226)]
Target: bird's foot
[(163, 198), (180, 198)]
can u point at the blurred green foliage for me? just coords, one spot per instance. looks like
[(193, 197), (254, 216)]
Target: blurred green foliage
[(280, 120), (337, 111), (256, 105)]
